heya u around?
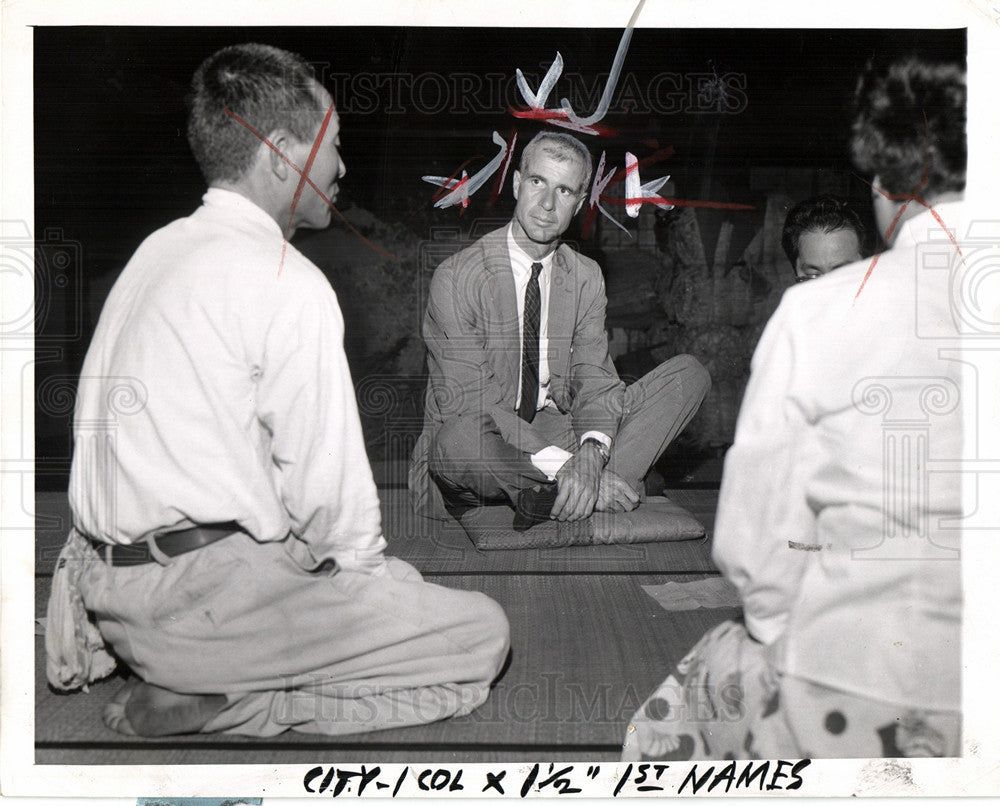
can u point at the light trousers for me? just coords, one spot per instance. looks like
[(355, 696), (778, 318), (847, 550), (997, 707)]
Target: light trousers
[(318, 652)]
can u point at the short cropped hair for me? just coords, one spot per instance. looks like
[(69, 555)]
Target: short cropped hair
[(910, 119), (561, 147), (824, 213), (267, 87)]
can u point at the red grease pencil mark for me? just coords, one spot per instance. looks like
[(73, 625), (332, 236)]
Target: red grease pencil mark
[(304, 177), (305, 180), (668, 202), (636, 194), (906, 198), (447, 188), (601, 181), (559, 117), (657, 156)]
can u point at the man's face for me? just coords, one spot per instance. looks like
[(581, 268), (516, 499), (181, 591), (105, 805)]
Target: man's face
[(549, 193), (311, 210), (820, 252)]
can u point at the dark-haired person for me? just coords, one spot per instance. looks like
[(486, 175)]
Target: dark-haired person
[(840, 501), (524, 405), (822, 234), (227, 534)]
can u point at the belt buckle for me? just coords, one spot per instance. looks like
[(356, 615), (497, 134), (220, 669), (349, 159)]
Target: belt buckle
[(155, 552)]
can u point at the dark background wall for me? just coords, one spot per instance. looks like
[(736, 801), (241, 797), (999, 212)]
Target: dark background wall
[(757, 117)]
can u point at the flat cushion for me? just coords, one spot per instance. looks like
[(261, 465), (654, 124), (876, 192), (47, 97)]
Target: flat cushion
[(656, 520)]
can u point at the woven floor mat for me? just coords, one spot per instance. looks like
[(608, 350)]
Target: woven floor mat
[(587, 650)]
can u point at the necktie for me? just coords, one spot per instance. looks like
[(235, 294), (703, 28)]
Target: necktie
[(529, 346)]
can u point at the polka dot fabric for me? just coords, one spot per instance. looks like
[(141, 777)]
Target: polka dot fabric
[(725, 700)]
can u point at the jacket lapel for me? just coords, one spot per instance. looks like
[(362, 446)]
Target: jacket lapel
[(562, 315), (500, 277)]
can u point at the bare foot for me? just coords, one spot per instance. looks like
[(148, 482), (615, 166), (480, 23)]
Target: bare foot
[(142, 709)]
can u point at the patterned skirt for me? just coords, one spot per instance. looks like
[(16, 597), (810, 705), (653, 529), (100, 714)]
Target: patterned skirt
[(724, 700)]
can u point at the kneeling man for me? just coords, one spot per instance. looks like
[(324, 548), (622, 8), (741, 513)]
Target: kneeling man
[(524, 405), (227, 535)]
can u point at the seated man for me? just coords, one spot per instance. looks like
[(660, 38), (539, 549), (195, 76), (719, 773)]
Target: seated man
[(523, 404), (841, 496), (822, 234), (227, 534)]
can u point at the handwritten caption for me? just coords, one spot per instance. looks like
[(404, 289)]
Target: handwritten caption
[(715, 778)]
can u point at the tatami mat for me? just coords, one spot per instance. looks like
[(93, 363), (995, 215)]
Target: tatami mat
[(587, 650), (588, 647)]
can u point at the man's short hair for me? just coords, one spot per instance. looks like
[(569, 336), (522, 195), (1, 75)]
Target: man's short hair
[(911, 120), (267, 87), (561, 147), (824, 213)]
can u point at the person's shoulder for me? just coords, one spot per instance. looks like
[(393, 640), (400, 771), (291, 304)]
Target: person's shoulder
[(830, 284), (232, 253), (172, 250), (579, 264), (202, 231), (475, 256), (842, 300)]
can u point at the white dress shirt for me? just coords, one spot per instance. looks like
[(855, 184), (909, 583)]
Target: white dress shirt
[(549, 460), (216, 389)]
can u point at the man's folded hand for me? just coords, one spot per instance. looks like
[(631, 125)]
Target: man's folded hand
[(615, 494), (579, 482)]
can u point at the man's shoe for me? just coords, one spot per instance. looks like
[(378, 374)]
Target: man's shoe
[(534, 505)]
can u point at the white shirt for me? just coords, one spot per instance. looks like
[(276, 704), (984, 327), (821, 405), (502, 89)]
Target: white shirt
[(216, 389), (838, 511), (550, 459)]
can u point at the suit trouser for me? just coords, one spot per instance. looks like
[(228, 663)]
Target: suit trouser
[(474, 460), (327, 652)]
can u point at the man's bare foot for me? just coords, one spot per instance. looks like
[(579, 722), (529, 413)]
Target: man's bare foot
[(615, 494), (142, 709)]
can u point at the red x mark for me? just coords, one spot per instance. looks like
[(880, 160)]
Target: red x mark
[(304, 178), (906, 198)]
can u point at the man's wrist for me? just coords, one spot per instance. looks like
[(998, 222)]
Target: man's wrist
[(600, 447)]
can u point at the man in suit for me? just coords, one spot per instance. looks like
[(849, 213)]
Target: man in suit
[(524, 405)]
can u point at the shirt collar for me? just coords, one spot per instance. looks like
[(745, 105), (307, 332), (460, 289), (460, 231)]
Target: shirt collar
[(920, 228), (228, 200), (520, 260)]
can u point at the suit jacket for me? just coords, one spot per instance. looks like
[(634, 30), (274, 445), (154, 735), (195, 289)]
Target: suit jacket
[(472, 333)]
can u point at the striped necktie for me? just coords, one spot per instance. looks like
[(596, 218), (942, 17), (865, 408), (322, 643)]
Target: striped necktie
[(529, 346)]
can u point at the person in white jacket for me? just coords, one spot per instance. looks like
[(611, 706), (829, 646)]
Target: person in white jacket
[(840, 500), (226, 522)]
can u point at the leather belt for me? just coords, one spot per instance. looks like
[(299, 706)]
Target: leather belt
[(171, 544)]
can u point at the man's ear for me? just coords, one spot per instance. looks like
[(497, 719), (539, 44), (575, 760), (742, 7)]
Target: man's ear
[(276, 157), (516, 183)]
